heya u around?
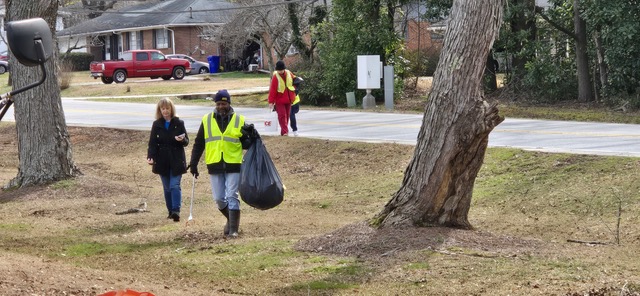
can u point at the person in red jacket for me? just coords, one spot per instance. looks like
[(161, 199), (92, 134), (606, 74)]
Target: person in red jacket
[(281, 95)]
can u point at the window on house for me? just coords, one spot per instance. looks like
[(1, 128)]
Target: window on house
[(292, 50), (161, 38), (107, 48), (133, 44), (437, 36), (140, 40), (135, 40)]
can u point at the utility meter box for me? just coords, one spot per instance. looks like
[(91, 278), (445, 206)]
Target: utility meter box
[(369, 71)]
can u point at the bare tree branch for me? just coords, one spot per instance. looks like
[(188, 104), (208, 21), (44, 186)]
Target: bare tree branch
[(560, 28)]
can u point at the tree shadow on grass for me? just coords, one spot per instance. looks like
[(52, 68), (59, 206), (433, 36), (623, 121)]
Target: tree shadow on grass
[(375, 250)]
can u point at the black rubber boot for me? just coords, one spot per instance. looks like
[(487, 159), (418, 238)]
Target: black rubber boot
[(234, 223), (225, 212)]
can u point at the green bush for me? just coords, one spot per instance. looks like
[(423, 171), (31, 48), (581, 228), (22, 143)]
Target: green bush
[(551, 81), (421, 62), (76, 61), (311, 93), (355, 28)]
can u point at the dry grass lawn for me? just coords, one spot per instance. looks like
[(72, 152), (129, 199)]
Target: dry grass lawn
[(66, 239)]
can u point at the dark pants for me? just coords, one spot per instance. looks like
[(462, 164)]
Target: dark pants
[(292, 117)]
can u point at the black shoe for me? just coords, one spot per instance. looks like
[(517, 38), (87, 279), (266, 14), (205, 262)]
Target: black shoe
[(169, 217), (175, 217)]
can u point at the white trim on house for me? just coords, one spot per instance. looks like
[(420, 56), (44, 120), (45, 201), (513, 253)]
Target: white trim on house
[(119, 31)]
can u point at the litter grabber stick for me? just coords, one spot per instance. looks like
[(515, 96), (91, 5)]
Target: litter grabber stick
[(193, 191)]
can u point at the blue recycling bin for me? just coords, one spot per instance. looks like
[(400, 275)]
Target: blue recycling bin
[(214, 63)]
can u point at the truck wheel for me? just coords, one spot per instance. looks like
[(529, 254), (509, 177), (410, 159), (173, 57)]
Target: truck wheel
[(119, 76), (3, 69), (106, 80), (178, 73), (203, 70)]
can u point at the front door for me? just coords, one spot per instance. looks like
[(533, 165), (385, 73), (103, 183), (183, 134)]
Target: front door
[(114, 44)]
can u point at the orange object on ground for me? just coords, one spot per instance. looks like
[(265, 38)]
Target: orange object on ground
[(127, 292)]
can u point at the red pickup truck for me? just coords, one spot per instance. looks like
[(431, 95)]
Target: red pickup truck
[(140, 63)]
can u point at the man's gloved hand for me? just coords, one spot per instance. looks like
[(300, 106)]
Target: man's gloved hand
[(248, 128), (194, 171)]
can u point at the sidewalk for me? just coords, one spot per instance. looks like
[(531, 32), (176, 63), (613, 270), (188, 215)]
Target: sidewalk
[(233, 92)]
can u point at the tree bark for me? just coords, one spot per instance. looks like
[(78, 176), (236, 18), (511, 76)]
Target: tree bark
[(523, 21), (602, 64), (438, 183), (43, 140), (585, 92)]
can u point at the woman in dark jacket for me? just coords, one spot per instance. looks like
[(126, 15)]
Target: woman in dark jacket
[(166, 153)]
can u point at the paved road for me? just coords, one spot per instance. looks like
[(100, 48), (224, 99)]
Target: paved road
[(539, 135)]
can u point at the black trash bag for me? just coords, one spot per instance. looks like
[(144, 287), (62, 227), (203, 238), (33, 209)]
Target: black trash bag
[(260, 184), (297, 84)]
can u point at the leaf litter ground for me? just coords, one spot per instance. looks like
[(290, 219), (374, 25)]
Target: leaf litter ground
[(65, 239)]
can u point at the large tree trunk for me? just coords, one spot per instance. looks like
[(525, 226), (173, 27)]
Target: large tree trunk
[(585, 92), (43, 141), (438, 182), (603, 68), (523, 21)]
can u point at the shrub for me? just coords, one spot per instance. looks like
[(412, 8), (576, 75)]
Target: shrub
[(311, 93), (421, 62), (77, 61), (64, 75), (551, 81)]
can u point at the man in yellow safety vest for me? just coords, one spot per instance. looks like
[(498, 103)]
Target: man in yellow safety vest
[(222, 136)]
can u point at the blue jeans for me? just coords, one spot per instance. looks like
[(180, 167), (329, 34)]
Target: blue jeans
[(172, 192), (292, 117), (224, 189)]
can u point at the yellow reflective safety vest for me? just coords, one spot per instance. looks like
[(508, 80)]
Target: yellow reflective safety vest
[(282, 84), (297, 100), (222, 146)]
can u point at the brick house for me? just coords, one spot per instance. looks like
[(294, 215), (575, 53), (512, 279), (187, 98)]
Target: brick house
[(171, 26), (420, 33)]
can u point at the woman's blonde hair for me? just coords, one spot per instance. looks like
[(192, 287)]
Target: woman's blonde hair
[(165, 102)]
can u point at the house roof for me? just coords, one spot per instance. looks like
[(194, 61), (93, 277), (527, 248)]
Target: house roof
[(168, 13)]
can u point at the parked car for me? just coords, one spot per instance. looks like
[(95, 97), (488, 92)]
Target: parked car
[(140, 63), (4, 67), (197, 67)]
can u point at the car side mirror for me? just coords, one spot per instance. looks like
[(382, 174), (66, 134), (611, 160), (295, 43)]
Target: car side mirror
[(31, 43)]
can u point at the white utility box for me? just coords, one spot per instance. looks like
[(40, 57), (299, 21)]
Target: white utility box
[(369, 71)]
